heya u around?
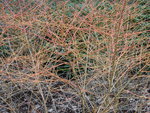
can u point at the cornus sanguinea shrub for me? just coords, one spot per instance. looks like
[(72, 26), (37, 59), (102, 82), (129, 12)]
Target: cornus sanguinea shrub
[(68, 56)]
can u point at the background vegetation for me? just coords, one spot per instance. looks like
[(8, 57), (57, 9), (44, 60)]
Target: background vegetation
[(74, 56)]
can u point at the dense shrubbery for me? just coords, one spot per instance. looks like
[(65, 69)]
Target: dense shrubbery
[(95, 53)]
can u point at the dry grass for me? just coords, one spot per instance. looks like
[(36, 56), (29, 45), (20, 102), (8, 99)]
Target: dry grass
[(71, 58)]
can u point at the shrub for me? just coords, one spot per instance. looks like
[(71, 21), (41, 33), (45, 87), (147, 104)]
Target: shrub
[(97, 50)]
